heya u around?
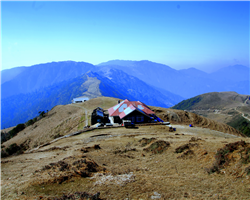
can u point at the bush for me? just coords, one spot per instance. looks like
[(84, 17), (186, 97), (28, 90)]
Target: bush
[(41, 113), (4, 154), (16, 130), (13, 148), (30, 122), (4, 136)]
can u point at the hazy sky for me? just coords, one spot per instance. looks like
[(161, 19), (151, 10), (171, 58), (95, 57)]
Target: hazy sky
[(204, 35)]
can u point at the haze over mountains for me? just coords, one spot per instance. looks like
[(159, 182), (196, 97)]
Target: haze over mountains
[(28, 90), (188, 82)]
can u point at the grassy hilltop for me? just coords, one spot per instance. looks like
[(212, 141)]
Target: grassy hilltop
[(207, 161)]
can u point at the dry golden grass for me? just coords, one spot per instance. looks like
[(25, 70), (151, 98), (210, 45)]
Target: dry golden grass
[(61, 120), (121, 153), (132, 172)]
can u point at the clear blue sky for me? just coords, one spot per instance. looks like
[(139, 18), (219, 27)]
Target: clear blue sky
[(204, 35)]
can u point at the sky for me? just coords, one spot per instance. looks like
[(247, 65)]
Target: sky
[(204, 35)]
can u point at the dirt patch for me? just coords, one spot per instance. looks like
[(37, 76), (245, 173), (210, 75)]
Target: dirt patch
[(120, 151), (187, 149), (78, 195), (194, 139), (187, 154), (68, 168), (54, 149), (157, 147), (73, 196), (89, 149), (145, 141), (184, 147)]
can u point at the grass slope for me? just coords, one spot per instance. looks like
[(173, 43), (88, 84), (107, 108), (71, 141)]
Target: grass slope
[(188, 104), (65, 119), (225, 107), (241, 124), (145, 163)]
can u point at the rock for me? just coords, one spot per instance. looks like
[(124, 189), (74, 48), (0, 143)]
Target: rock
[(156, 196)]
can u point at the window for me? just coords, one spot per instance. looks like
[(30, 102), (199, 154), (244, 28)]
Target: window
[(140, 118), (132, 118)]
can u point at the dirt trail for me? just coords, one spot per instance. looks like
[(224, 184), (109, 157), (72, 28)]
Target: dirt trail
[(242, 114), (86, 113), (245, 102), (197, 131)]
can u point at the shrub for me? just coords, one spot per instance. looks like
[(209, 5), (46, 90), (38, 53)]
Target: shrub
[(13, 148), (4, 154), (182, 148), (41, 113), (247, 170), (16, 130), (30, 122), (4, 136)]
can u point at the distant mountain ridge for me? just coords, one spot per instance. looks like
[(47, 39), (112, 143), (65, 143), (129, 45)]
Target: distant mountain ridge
[(42, 86), (235, 73), (7, 75), (22, 107), (214, 100), (40, 76), (186, 83)]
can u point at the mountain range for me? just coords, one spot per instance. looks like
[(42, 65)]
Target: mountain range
[(28, 90), (188, 82)]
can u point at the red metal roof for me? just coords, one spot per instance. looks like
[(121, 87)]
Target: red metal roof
[(127, 111), (119, 108)]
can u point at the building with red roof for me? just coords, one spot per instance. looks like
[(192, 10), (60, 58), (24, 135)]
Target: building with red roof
[(135, 111)]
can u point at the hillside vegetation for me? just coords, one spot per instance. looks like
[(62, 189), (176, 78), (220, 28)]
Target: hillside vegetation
[(241, 124), (226, 107), (188, 104)]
